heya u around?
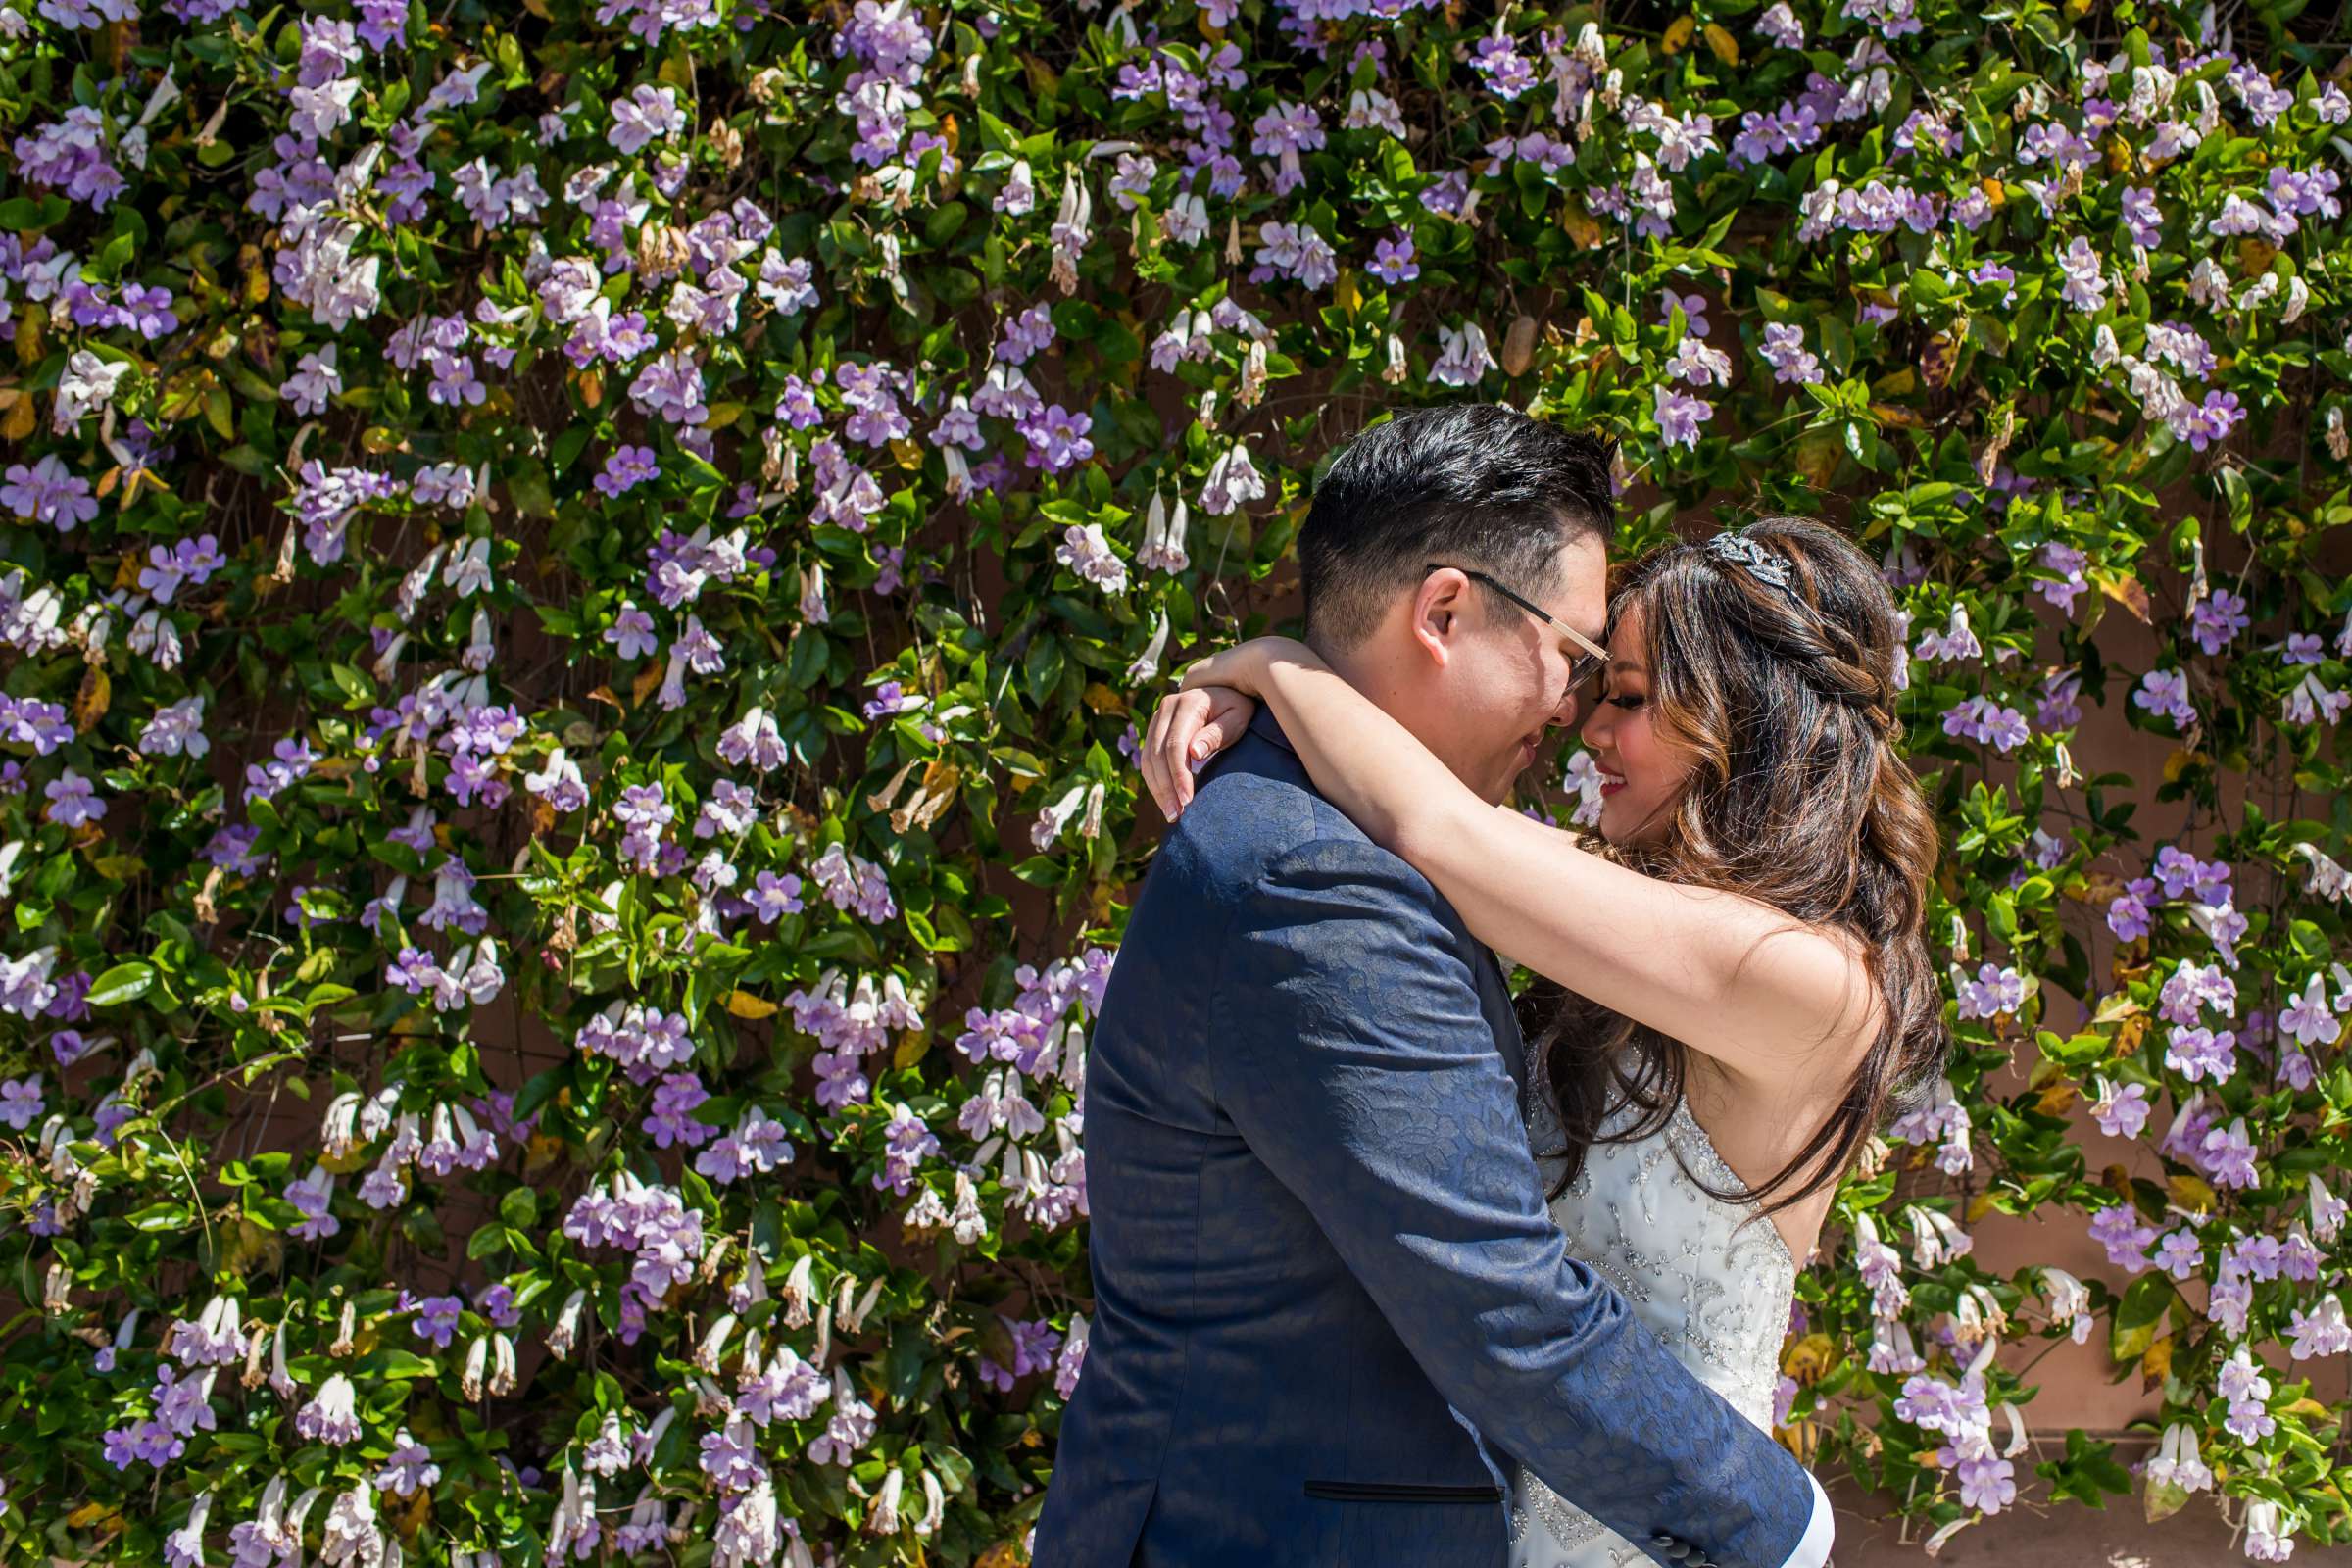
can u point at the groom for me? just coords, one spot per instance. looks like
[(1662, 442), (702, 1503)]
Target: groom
[(1331, 1307)]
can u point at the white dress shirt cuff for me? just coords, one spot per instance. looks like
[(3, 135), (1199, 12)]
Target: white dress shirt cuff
[(1820, 1534)]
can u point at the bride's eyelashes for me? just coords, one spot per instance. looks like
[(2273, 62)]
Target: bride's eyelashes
[(1630, 702)]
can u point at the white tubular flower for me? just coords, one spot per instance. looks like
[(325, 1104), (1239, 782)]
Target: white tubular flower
[(352, 1535), (935, 1506), (706, 1355), (478, 1363), (270, 1522), (1935, 1239), (503, 1372), (2269, 1532), (2327, 1210), (797, 1291), (332, 1415), (567, 1328), (255, 1349), (967, 1223), (883, 1518), (302, 1510), (281, 1380), (855, 1320), (748, 1531), (2017, 1430), (1891, 1348), (186, 1544), (572, 1519), (2325, 877), (2069, 1302)]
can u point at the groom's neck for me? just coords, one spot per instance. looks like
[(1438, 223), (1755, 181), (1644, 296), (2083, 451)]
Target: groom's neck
[(1390, 688)]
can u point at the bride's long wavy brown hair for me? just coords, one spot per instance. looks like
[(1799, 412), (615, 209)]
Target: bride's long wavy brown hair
[(1798, 798)]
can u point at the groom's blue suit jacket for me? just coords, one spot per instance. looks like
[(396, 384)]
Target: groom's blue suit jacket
[(1322, 1265)]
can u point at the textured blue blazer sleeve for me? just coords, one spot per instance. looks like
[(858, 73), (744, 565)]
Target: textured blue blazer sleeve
[(1352, 1055)]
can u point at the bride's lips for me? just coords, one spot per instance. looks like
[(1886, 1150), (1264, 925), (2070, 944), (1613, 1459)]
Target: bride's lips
[(1611, 783)]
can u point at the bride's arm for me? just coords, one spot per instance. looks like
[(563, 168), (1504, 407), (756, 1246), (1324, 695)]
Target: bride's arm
[(1679, 958)]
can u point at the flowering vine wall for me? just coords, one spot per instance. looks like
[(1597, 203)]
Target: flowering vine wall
[(579, 580)]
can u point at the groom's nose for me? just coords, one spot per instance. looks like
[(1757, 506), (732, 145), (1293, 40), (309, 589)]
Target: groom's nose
[(1568, 712)]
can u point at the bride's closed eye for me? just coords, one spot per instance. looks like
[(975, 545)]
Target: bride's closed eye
[(1629, 701)]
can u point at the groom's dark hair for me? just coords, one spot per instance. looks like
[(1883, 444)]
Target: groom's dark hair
[(1476, 484)]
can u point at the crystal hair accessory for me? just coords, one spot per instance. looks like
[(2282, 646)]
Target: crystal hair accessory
[(1760, 564)]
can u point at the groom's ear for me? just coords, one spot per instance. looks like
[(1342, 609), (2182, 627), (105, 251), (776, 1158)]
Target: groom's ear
[(1436, 612)]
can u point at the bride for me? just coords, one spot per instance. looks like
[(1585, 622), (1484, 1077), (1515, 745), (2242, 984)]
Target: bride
[(1741, 981)]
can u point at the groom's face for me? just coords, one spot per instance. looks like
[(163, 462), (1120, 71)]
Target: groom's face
[(1506, 684)]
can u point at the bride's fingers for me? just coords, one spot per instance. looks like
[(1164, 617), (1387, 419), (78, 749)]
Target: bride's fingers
[(1153, 754), (1184, 714), (1147, 758)]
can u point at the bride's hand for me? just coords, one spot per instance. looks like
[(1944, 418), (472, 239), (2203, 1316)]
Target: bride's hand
[(1209, 713), (1188, 728)]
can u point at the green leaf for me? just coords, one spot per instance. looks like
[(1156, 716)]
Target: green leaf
[(124, 982), (2136, 1316)]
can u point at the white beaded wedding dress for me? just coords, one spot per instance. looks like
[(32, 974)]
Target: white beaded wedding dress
[(1712, 1280)]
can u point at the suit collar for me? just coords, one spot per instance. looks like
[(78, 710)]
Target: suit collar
[(1264, 728)]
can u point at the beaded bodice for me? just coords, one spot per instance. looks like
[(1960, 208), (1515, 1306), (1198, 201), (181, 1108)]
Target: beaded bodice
[(1711, 1278)]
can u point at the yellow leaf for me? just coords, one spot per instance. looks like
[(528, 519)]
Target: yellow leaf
[(1678, 35), (2134, 1030), (2055, 1099), (20, 420), (2127, 591), (2181, 760), (1807, 1357), (1816, 456), (914, 1045), (1103, 700), (1725, 47), (743, 1004), (30, 334), (2191, 1193), (1979, 1206), (2099, 890), (2307, 1407), (2158, 1361), (91, 1513), (1519, 345), (411, 1519), (1581, 225), (91, 701), (1995, 192), (933, 796), (1344, 294)]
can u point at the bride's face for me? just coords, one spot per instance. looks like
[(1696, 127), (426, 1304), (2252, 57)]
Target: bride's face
[(1643, 779)]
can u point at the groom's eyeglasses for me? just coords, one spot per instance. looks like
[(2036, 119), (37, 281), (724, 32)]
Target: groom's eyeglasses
[(1582, 665)]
